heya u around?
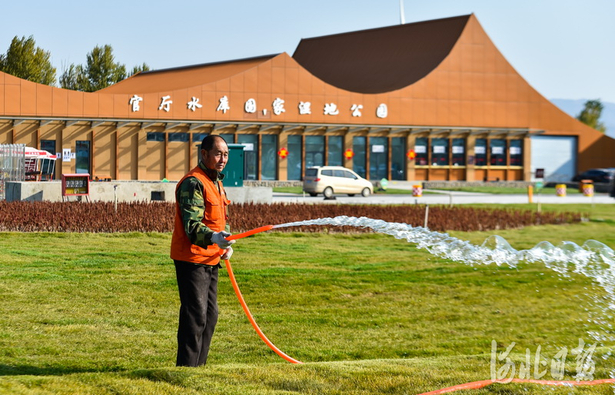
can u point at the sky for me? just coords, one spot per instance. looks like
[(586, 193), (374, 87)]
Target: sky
[(563, 48)]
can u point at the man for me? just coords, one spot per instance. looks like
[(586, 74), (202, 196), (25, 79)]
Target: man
[(200, 232)]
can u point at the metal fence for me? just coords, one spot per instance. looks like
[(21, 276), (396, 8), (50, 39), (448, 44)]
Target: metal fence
[(12, 165)]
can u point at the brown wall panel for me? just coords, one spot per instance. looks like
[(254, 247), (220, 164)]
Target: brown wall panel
[(43, 100), (25, 133), (250, 78), (178, 160), (438, 174), (154, 160), (456, 174), (12, 104), (75, 103), (103, 154), (28, 99)]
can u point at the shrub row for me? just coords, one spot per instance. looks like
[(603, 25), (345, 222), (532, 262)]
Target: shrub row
[(158, 216)]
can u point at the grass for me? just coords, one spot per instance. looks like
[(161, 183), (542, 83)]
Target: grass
[(502, 190), (497, 190), (97, 314), (388, 191)]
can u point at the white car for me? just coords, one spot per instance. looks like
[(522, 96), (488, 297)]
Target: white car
[(335, 179)]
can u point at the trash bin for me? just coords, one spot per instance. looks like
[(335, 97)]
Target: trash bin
[(587, 188), (417, 190), (560, 190), (582, 183)]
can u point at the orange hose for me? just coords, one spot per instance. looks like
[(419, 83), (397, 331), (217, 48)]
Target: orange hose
[(246, 310), (484, 383), (249, 315), (250, 232)]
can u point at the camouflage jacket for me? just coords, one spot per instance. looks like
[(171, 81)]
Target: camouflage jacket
[(192, 206)]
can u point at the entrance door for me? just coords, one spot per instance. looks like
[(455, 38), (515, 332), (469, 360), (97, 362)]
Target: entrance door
[(557, 155)]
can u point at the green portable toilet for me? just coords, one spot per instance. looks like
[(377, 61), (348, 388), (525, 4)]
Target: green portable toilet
[(234, 169)]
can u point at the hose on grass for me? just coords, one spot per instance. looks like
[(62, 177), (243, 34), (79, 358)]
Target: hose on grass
[(480, 384), (246, 310), (466, 386)]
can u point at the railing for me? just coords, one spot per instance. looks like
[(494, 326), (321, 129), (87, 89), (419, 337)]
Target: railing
[(12, 165)]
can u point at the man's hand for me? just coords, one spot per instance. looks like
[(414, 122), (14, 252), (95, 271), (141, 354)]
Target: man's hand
[(227, 254), (219, 238)]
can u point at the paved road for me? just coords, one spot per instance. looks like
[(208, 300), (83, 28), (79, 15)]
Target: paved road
[(444, 198)]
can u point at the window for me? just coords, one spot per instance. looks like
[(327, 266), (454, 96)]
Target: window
[(498, 152), (439, 154), (314, 151), (269, 159), (198, 137), (359, 147), (49, 146), (250, 143), (179, 137), (420, 149), (480, 152), (398, 158), (335, 154), (294, 157), (348, 174), (378, 158), (338, 173), (459, 152), (82, 164), (228, 137), (516, 152), (155, 136)]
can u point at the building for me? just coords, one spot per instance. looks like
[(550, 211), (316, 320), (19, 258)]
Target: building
[(433, 100)]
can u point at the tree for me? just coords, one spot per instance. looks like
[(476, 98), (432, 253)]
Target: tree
[(25, 60), (100, 71), (591, 115), (73, 78), (138, 69)]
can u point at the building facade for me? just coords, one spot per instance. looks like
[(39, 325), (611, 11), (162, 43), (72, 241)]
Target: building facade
[(433, 100)]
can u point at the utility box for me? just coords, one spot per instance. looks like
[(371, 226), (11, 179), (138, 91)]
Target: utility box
[(234, 170)]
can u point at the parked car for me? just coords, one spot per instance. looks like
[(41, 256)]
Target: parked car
[(335, 179), (596, 175)]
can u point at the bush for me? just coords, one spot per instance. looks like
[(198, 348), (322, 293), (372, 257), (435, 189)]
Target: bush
[(159, 216)]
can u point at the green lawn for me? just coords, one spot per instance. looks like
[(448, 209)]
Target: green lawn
[(388, 191), (97, 314), (499, 190)]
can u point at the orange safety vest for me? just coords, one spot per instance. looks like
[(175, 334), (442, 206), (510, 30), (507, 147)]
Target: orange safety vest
[(214, 218)]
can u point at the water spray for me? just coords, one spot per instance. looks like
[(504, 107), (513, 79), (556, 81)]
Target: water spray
[(593, 259)]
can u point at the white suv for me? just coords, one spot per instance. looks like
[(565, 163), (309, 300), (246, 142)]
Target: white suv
[(335, 179)]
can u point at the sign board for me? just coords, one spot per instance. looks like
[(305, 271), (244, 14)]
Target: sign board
[(377, 148), (540, 173), (76, 184), (497, 150), (66, 155)]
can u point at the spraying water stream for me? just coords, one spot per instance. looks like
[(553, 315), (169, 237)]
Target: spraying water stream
[(593, 259)]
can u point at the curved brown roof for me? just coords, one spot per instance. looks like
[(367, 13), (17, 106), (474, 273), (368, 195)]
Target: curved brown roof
[(183, 77), (380, 60)]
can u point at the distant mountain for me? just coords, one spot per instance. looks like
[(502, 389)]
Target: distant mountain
[(574, 107)]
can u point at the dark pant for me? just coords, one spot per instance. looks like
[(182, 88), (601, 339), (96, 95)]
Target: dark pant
[(198, 315)]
